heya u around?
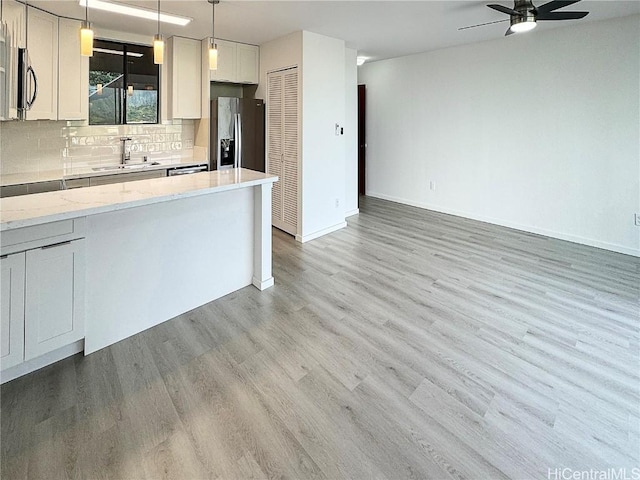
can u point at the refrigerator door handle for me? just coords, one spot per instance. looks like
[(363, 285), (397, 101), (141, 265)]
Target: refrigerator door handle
[(235, 136), (239, 139)]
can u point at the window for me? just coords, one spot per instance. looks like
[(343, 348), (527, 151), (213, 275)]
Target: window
[(123, 84)]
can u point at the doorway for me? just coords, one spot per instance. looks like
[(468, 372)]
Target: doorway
[(362, 143)]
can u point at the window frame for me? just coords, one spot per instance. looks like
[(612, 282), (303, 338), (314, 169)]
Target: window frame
[(124, 46)]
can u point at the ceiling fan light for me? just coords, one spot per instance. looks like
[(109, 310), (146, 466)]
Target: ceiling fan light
[(523, 26)]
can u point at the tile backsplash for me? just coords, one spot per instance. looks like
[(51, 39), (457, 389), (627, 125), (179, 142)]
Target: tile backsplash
[(38, 146)]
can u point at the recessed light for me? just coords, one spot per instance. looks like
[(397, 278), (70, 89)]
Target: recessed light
[(135, 12)]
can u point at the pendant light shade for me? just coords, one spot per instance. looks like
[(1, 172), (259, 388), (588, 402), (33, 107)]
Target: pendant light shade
[(158, 44), (158, 50), (86, 35), (213, 55), (213, 48)]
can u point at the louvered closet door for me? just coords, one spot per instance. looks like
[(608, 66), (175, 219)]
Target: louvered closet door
[(290, 151), (283, 146), (274, 142)]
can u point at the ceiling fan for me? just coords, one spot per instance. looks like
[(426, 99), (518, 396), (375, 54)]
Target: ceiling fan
[(524, 15)]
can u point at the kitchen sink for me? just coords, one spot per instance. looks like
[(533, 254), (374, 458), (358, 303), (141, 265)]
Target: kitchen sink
[(128, 166)]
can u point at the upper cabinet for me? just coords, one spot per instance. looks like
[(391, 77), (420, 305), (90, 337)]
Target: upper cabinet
[(42, 44), (247, 63), (184, 74), (13, 15), (237, 63), (73, 73), (59, 79)]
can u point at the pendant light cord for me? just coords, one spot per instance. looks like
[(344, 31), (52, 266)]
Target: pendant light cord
[(213, 22), (86, 13), (158, 17)]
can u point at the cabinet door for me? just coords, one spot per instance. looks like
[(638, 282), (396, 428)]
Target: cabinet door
[(12, 319), (274, 142), (54, 300), (290, 155), (13, 16), (126, 177), (226, 71), (185, 78), (42, 43), (73, 73), (248, 63)]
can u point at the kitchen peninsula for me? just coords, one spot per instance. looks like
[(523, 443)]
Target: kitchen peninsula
[(134, 255)]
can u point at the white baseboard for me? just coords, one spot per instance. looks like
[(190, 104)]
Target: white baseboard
[(320, 233), (525, 228), (353, 212), (262, 285), (42, 361)]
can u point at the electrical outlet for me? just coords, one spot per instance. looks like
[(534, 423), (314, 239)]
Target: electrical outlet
[(432, 185), (337, 202), (637, 219)]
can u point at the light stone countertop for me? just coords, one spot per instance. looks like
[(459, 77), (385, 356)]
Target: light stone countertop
[(40, 208), (83, 172)]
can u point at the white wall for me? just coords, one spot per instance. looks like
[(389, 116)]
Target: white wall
[(323, 152), (351, 132), (538, 131), (278, 54)]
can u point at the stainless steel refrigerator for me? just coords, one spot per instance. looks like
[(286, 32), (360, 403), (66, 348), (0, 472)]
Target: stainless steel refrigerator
[(237, 133)]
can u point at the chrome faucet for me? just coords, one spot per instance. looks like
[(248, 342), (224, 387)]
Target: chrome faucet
[(126, 153)]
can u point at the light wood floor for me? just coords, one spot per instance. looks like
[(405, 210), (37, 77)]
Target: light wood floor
[(409, 345)]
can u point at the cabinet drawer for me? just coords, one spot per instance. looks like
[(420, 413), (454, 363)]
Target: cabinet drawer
[(27, 238)]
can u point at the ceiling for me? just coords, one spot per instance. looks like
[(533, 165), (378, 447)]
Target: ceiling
[(377, 29)]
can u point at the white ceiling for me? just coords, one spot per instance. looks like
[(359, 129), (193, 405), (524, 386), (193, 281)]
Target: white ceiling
[(377, 29)]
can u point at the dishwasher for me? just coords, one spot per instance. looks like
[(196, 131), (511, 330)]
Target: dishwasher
[(186, 170)]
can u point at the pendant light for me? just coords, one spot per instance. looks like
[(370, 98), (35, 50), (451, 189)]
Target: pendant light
[(158, 43), (86, 34), (213, 48)]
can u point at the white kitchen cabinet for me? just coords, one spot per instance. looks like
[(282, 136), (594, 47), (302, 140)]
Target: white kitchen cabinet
[(226, 71), (248, 63), (13, 15), (73, 73), (185, 89), (42, 43), (237, 63), (54, 297), (12, 310)]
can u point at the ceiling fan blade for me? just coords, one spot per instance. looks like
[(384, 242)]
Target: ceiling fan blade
[(554, 5), (561, 15), (501, 9), (483, 24)]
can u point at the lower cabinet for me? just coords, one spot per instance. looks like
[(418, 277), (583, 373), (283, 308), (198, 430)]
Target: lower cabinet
[(12, 319), (125, 177), (42, 301)]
